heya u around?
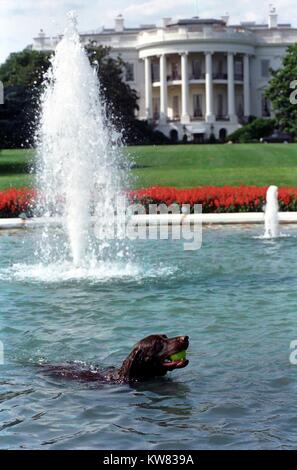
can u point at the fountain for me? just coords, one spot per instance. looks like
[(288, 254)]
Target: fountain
[(271, 213), (81, 170)]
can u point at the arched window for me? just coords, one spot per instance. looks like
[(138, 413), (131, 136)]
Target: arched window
[(173, 136), (223, 134)]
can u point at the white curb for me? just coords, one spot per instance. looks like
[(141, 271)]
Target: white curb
[(163, 219)]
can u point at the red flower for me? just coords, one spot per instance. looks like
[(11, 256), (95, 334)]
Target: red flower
[(213, 199), (15, 201), (216, 199)]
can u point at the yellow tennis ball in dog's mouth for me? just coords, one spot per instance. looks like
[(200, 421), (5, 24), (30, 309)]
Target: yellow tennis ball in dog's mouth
[(180, 356)]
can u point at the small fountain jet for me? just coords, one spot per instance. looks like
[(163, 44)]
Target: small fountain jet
[(271, 213)]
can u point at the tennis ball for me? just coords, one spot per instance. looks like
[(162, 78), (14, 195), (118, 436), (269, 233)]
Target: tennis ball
[(178, 356)]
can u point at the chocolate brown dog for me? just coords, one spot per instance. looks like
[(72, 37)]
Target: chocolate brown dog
[(149, 358)]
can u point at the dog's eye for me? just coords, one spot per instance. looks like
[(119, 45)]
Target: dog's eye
[(158, 347), (164, 336)]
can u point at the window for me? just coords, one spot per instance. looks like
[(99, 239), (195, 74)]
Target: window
[(220, 67), (175, 72), (265, 106), (239, 105), (220, 105), (265, 66), (238, 67), (156, 108), (155, 72), (196, 69), (197, 105), (129, 72), (175, 106)]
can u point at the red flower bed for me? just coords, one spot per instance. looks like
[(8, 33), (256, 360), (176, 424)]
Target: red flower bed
[(216, 199), (13, 202)]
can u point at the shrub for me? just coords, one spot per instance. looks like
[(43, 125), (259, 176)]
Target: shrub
[(143, 133), (253, 131)]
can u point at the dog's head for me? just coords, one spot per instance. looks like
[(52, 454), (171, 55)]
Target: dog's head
[(151, 357)]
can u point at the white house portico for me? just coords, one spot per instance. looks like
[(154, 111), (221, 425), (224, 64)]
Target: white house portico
[(196, 76), (197, 87)]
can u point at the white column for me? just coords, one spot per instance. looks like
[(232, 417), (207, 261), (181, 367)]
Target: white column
[(231, 88), (246, 85), (208, 87), (163, 89), (185, 88), (148, 87)]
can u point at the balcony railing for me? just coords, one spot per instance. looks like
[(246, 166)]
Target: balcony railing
[(197, 118), (173, 76), (222, 117), (197, 76), (220, 76), (201, 76)]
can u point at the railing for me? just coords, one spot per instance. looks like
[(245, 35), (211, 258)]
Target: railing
[(204, 33), (197, 76), (197, 118), (174, 76), (276, 36), (220, 76), (222, 117)]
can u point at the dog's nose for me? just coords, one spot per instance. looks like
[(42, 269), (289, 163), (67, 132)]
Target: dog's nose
[(185, 339)]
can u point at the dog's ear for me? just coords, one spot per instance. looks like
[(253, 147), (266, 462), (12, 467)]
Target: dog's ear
[(132, 363)]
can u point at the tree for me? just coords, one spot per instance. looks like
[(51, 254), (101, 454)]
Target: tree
[(25, 68), (120, 98), (279, 91), (22, 76)]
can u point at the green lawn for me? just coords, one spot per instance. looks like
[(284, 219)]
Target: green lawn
[(218, 165), (186, 165), (14, 168)]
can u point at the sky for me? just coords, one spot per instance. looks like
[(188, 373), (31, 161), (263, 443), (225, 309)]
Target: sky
[(21, 20)]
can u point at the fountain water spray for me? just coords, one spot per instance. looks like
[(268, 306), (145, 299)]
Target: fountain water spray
[(271, 213), (81, 170)]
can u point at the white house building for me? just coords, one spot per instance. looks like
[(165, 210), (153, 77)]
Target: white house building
[(196, 76)]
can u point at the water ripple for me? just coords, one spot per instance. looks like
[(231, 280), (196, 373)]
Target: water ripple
[(236, 298)]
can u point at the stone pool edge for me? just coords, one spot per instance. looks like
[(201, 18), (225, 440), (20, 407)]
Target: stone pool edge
[(163, 219)]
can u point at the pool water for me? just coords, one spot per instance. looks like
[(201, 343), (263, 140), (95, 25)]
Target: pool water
[(236, 299)]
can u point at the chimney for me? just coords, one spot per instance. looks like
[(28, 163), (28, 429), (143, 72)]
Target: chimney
[(41, 39), (225, 18), (272, 18), (166, 22), (41, 34), (119, 24)]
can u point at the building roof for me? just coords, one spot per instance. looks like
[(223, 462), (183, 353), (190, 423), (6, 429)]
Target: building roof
[(197, 21), (107, 31)]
